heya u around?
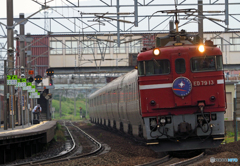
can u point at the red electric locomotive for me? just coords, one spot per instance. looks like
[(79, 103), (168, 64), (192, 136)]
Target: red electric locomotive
[(176, 100), (182, 94)]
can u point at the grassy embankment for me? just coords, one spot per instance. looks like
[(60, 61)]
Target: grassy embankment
[(229, 137), (67, 107)]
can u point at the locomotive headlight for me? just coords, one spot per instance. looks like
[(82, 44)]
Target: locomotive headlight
[(156, 51), (201, 48)]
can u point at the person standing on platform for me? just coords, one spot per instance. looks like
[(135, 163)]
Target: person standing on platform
[(36, 111)]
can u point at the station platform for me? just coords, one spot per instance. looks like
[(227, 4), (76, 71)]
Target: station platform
[(43, 127), (28, 140)]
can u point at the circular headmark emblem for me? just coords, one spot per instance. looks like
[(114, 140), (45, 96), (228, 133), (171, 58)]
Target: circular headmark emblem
[(182, 86)]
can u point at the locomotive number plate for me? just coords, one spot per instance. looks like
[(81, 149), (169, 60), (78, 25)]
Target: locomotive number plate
[(203, 83)]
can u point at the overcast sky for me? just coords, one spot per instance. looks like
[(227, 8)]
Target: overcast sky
[(28, 7)]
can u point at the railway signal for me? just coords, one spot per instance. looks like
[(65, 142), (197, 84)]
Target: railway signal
[(22, 72), (30, 79), (50, 72), (38, 79), (50, 82), (30, 72)]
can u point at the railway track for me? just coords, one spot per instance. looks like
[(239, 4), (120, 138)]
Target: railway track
[(169, 161), (69, 154)]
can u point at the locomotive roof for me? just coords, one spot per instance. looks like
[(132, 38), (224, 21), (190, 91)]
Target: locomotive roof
[(166, 51)]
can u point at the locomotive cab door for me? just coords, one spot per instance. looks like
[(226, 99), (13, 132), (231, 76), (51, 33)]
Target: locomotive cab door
[(182, 85)]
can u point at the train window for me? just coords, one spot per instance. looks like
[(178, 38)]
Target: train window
[(140, 68), (219, 62), (154, 67), (149, 68), (207, 63), (180, 66)]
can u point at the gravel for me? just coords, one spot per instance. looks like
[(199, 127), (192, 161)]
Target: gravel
[(230, 150), (126, 151)]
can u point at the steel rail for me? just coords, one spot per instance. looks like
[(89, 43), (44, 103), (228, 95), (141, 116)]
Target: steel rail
[(167, 158), (157, 162), (188, 161), (56, 158)]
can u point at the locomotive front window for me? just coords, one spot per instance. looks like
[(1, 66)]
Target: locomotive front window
[(140, 68), (219, 63), (180, 66), (207, 63), (154, 67)]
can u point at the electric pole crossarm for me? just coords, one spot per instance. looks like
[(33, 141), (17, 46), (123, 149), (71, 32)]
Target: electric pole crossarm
[(28, 17)]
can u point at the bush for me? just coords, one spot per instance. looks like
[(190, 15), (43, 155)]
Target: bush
[(230, 134)]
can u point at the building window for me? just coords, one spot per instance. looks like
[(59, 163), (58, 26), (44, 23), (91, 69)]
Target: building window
[(87, 47), (218, 42), (103, 47), (71, 47), (56, 47), (135, 46), (236, 44), (119, 50)]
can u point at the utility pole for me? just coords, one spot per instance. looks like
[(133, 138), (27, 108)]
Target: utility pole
[(5, 95), (118, 24), (29, 39), (200, 20), (74, 103), (86, 104), (22, 65), (10, 49), (235, 124), (60, 108)]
